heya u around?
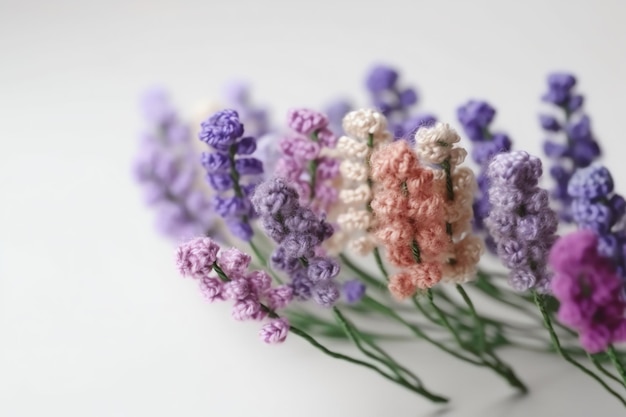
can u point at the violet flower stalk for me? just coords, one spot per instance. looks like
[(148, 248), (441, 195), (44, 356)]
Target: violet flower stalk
[(521, 221), (595, 206), (305, 161), (165, 168), (571, 143), (236, 95), (226, 166), (299, 233), (395, 102), (476, 117)]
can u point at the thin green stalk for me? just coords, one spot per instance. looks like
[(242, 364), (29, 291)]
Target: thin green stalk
[(557, 344), (416, 330), (384, 358), (379, 262), (619, 366), (479, 329), (499, 366), (600, 367), (340, 356), (263, 261), (365, 276)]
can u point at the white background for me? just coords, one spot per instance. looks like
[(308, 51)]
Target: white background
[(94, 320)]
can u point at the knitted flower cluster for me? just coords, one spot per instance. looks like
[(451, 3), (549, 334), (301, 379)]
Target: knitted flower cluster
[(299, 233), (476, 117), (225, 166), (571, 143), (236, 95), (410, 214), (395, 102), (521, 221), (224, 275), (588, 290), (436, 146), (365, 130), (304, 161), (596, 207), (166, 169)]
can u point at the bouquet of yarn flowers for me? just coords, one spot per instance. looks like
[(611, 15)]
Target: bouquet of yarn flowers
[(336, 224)]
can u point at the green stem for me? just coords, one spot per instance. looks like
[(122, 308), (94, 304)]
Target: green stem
[(379, 262), (365, 276), (340, 356), (557, 344), (384, 358), (600, 367), (263, 261), (479, 329), (313, 167), (416, 330), (619, 366)]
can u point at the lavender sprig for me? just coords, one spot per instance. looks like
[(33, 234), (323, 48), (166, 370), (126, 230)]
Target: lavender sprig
[(596, 207), (570, 143), (166, 170), (226, 166), (476, 117), (395, 102), (299, 233)]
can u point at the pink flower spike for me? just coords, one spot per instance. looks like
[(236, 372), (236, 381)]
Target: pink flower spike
[(246, 309), (306, 121), (195, 258), (237, 289), (260, 282), (233, 262), (211, 289), (279, 297), (275, 331)]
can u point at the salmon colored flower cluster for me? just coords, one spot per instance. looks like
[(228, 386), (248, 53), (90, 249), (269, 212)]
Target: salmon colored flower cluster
[(410, 215)]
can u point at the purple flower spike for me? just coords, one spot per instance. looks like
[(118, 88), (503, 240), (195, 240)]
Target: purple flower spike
[(594, 206), (353, 290), (299, 233), (381, 78), (221, 130), (476, 117), (395, 102), (166, 170), (520, 222), (225, 168), (579, 149)]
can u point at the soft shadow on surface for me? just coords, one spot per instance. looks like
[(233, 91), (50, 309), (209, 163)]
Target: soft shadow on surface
[(440, 412)]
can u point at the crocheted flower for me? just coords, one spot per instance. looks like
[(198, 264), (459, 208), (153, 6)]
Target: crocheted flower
[(521, 222), (225, 167), (305, 160), (395, 102), (596, 207), (476, 117), (165, 168), (225, 276), (365, 129), (570, 144), (589, 291), (299, 233), (436, 146), (410, 217)]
